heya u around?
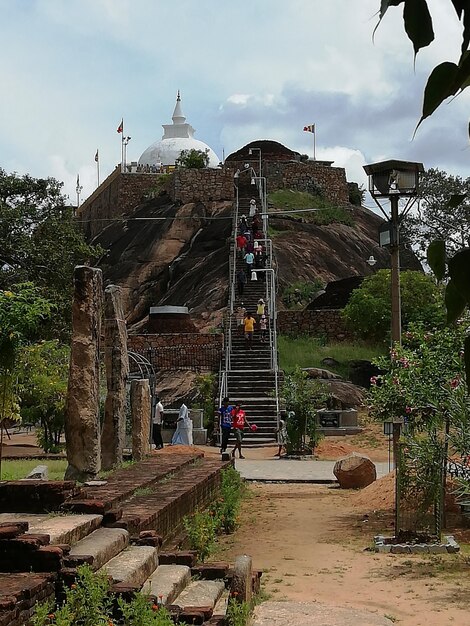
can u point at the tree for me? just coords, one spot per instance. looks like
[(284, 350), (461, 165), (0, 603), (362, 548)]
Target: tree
[(196, 159), (41, 242), (42, 386), (368, 312), (303, 397), (438, 215), (446, 79)]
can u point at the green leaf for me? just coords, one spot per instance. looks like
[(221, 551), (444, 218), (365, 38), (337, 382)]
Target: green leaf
[(466, 358), (436, 257), (459, 271), (385, 4), (418, 23), (462, 79), (455, 302), (455, 200), (440, 85)]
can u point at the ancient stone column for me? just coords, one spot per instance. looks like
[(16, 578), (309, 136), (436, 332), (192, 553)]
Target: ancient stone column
[(82, 421), (140, 409), (241, 586), (117, 371)]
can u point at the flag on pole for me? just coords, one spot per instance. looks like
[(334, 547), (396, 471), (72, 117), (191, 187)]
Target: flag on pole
[(310, 128), (96, 156), (120, 128)]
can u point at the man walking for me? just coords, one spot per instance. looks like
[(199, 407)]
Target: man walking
[(225, 423), (157, 419), (241, 281)]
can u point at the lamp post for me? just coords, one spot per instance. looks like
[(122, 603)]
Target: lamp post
[(393, 180), (250, 152), (125, 141)]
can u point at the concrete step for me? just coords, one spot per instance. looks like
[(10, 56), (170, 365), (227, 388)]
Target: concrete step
[(67, 529), (167, 582), (132, 566), (103, 545), (203, 593), (221, 605)]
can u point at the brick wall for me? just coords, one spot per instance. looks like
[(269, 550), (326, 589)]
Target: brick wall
[(321, 322), (201, 185), (179, 351), (118, 195)]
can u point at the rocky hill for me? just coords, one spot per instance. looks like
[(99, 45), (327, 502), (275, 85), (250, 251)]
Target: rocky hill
[(170, 253)]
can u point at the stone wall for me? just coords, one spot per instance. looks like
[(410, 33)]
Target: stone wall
[(316, 323), (312, 176), (201, 185), (118, 195), (179, 351)]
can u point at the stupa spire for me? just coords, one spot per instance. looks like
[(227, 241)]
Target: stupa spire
[(178, 117)]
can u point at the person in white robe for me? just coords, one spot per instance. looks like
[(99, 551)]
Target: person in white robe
[(184, 429)]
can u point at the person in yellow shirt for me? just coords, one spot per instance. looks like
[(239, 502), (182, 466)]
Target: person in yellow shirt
[(249, 327)]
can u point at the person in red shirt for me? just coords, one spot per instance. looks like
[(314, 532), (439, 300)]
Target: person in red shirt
[(239, 422), (241, 244)]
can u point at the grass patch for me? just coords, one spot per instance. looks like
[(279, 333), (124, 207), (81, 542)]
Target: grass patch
[(16, 469), (326, 213), (309, 352), (143, 491)]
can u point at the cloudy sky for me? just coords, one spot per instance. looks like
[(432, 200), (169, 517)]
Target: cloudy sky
[(247, 70)]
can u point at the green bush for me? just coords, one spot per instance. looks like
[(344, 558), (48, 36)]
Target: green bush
[(196, 159), (201, 528), (301, 292), (238, 613), (227, 507), (368, 312)]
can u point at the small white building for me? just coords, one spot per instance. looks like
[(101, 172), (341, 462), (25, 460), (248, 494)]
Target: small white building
[(176, 137)]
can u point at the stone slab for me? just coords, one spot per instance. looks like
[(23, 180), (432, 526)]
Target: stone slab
[(308, 614), (221, 605), (60, 528), (291, 471), (132, 566), (201, 593), (167, 582), (102, 544)]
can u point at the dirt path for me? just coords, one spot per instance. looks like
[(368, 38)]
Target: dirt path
[(310, 540)]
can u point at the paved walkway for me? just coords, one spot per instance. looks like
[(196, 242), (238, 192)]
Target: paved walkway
[(308, 614), (308, 471)]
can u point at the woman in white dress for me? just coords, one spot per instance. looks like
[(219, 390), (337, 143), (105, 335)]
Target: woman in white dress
[(184, 429)]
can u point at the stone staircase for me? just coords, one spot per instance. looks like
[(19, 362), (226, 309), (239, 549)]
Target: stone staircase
[(118, 526), (251, 380)]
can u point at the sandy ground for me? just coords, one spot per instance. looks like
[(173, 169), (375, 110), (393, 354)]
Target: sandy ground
[(310, 541)]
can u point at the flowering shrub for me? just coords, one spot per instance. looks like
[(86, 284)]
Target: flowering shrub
[(418, 377)]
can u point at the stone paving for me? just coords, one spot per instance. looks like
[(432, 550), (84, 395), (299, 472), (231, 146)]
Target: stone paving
[(285, 470), (310, 613)]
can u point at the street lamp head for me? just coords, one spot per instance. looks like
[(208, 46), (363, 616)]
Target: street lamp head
[(371, 260), (393, 177), (253, 181)]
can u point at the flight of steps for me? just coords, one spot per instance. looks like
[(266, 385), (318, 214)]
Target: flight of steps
[(251, 380), (147, 502)]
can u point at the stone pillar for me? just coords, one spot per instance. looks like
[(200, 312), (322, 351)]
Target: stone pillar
[(241, 587), (140, 408), (82, 421), (117, 371)]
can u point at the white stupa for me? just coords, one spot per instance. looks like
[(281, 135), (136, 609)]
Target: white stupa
[(177, 136)]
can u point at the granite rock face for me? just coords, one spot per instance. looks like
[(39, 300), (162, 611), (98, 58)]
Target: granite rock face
[(82, 423), (355, 471), (117, 371)]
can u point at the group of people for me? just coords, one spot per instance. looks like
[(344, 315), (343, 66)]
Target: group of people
[(247, 323), (183, 435), (232, 417)]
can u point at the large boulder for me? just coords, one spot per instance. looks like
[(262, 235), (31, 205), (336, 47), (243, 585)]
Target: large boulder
[(355, 471)]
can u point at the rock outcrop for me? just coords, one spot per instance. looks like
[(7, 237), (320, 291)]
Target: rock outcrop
[(355, 471)]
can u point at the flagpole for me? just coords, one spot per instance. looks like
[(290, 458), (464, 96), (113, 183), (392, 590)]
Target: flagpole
[(98, 169), (314, 141), (122, 146)]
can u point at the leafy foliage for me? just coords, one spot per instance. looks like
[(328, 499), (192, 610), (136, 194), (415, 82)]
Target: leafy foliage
[(42, 376), (300, 292), (368, 312), (303, 397), (41, 242), (196, 159), (443, 212), (207, 390), (88, 603), (448, 78), (238, 613), (227, 506), (201, 529), (419, 377)]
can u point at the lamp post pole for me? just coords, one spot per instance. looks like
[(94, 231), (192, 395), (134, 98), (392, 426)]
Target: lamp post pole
[(395, 272)]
